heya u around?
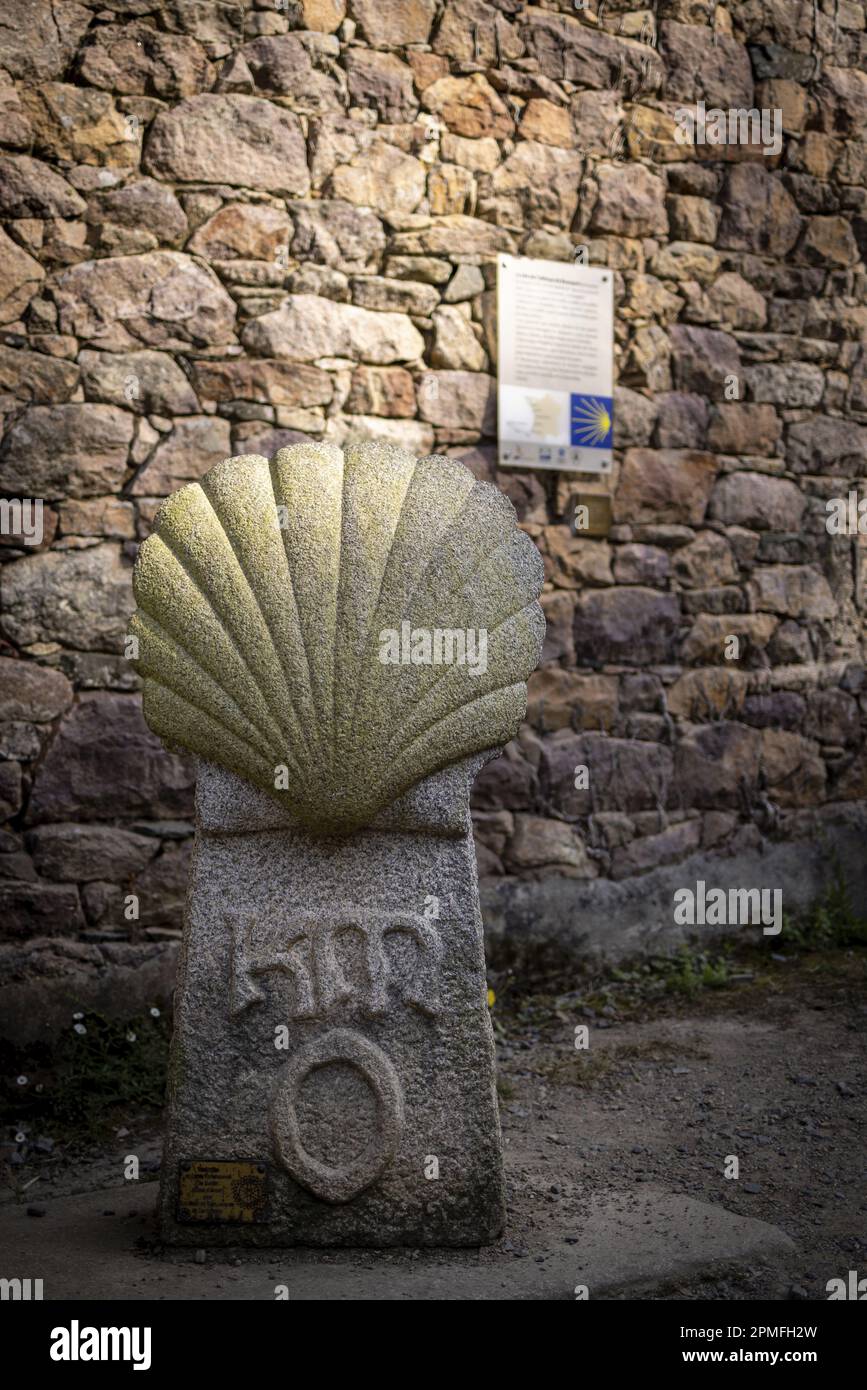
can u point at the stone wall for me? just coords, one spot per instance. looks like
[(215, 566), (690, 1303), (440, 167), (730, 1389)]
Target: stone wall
[(226, 227)]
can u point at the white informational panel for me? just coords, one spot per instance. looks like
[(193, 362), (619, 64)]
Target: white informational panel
[(556, 344)]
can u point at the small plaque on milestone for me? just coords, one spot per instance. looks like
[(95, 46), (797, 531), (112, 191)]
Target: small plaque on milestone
[(223, 1191)]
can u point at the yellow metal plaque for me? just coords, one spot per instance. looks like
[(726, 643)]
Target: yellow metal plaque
[(224, 1191)]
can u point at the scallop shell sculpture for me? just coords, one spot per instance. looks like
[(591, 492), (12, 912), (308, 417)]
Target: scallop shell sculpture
[(263, 596)]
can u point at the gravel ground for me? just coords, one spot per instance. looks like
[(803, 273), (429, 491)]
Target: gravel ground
[(770, 1068)]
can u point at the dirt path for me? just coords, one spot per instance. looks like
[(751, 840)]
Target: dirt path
[(772, 1070)]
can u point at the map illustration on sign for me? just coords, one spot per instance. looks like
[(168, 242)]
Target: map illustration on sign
[(555, 399)]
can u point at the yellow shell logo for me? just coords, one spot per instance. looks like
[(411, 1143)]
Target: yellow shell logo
[(591, 421)]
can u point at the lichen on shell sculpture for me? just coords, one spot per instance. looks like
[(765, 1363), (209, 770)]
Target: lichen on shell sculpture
[(261, 597)]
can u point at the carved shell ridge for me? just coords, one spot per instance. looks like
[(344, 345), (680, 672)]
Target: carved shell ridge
[(263, 596)]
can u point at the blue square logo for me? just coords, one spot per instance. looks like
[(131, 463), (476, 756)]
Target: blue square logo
[(591, 421)]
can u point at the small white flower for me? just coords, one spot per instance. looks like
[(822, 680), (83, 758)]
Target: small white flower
[(80, 1028), (130, 1037), (21, 1137), (22, 1080), (155, 1013), (77, 1016)]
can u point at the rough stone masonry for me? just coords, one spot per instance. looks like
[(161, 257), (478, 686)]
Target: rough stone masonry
[(228, 227), (331, 1076)]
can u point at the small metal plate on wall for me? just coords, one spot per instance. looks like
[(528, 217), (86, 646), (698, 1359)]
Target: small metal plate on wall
[(223, 1191)]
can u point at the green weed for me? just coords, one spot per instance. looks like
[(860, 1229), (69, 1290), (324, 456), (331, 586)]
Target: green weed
[(98, 1068)]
